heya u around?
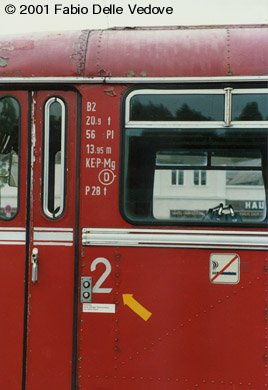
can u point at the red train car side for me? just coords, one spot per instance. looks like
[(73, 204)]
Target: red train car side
[(133, 209)]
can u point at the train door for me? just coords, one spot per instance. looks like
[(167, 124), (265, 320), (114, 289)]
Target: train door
[(13, 173), (51, 226)]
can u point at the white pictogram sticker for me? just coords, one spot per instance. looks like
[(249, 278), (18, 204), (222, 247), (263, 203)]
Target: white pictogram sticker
[(224, 268)]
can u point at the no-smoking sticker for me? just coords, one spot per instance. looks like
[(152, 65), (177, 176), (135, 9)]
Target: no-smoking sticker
[(224, 268)]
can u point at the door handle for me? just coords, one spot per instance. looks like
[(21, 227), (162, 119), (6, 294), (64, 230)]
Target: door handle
[(34, 261)]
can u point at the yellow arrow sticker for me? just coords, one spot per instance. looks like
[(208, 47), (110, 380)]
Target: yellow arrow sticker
[(136, 306)]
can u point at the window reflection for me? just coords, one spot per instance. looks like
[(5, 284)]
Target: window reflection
[(177, 107), (202, 190), (250, 107), (54, 158), (167, 180), (9, 159), (193, 172)]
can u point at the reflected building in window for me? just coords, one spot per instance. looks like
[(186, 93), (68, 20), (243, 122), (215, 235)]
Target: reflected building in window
[(201, 190)]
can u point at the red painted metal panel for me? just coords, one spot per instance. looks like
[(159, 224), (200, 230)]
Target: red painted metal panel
[(161, 53), (200, 335), (182, 52), (141, 52), (100, 152), (245, 52), (42, 54)]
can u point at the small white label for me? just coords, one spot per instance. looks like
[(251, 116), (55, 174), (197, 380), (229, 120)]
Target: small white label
[(224, 268), (98, 308)]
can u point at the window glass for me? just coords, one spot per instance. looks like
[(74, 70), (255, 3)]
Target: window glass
[(177, 177), (9, 156), (180, 178), (177, 107), (203, 178), (181, 158), (236, 158), (196, 178), (250, 107), (222, 180), (54, 158), (240, 192)]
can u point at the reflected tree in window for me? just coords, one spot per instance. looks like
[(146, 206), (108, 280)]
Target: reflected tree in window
[(250, 113), (158, 112), (153, 112), (185, 113)]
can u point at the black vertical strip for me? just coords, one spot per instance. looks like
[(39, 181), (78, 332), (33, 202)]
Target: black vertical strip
[(27, 246), (77, 236)]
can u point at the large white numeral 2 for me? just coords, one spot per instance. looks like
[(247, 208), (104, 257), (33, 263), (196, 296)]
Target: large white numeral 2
[(97, 288)]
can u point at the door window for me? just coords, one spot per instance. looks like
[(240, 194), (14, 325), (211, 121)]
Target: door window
[(54, 158), (9, 156)]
